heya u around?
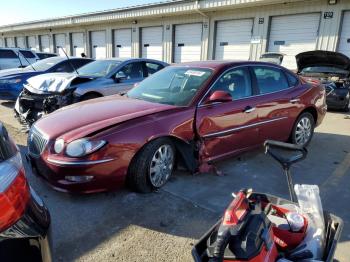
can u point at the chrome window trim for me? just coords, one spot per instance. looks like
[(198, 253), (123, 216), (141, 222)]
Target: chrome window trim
[(232, 130), (272, 66)]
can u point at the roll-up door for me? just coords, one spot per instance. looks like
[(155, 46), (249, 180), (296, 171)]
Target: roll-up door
[(188, 43), (60, 43), (77, 44), (44, 43), (31, 42), (122, 42), (344, 40), (293, 34), (10, 41), (20, 42), (233, 39), (152, 42), (98, 44)]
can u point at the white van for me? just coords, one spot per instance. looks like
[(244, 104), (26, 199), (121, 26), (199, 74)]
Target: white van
[(16, 57)]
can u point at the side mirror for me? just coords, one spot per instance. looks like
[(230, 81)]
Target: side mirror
[(219, 96), (120, 76)]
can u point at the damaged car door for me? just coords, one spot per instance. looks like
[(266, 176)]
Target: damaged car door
[(226, 117)]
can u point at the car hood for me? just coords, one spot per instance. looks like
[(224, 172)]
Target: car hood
[(88, 117), (14, 71), (54, 82), (322, 58)]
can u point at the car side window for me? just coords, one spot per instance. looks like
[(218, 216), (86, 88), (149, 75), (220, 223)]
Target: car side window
[(236, 82), (152, 68), (27, 54), (77, 63), (64, 67), (7, 54), (292, 79), (132, 70), (270, 79)]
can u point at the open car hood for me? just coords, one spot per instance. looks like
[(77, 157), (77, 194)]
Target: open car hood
[(51, 83), (322, 58)]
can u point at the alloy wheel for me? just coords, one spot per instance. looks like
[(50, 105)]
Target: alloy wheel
[(161, 166), (303, 131)]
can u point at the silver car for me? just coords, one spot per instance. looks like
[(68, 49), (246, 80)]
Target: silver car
[(45, 93), (16, 57)]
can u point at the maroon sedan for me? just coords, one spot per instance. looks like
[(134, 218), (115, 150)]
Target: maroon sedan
[(192, 113)]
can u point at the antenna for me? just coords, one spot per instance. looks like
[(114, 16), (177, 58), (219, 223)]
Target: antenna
[(70, 62)]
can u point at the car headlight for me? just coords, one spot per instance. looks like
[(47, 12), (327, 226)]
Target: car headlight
[(10, 81), (59, 145), (83, 147)]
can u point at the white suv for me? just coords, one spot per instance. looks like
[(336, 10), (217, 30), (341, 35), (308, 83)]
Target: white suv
[(16, 57)]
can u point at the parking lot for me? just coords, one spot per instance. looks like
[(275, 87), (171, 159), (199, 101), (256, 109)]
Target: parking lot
[(163, 226)]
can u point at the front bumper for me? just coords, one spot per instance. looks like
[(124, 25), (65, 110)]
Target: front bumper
[(30, 238), (338, 98), (107, 176), (9, 92)]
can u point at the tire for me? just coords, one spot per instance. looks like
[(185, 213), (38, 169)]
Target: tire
[(89, 96), (305, 136), (347, 106), (143, 176)]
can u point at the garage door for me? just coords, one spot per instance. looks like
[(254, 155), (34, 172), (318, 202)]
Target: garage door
[(31, 42), (293, 34), (10, 41), (77, 44), (344, 41), (20, 42), (152, 42), (233, 39), (2, 44), (122, 42), (44, 43), (188, 43), (60, 43), (98, 44)]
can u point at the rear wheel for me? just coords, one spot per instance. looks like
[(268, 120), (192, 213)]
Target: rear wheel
[(347, 105), (153, 166), (303, 129)]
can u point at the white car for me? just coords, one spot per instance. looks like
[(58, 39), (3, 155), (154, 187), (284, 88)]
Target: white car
[(16, 57)]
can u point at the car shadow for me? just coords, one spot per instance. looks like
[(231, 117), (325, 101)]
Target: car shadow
[(8, 104), (188, 205)]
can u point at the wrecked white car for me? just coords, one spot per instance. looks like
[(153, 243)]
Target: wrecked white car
[(46, 93)]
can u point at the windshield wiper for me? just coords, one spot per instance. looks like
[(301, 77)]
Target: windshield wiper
[(19, 52)]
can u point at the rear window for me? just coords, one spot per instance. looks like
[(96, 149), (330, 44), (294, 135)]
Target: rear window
[(270, 79), (7, 54), (7, 147), (292, 79), (27, 54)]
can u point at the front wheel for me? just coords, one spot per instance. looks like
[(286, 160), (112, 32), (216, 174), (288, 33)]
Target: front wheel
[(152, 166), (303, 129)]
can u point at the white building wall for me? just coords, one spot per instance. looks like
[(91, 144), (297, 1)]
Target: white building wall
[(204, 11)]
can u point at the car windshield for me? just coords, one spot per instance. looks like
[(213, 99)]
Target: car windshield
[(172, 86), (323, 70), (45, 64), (99, 68)]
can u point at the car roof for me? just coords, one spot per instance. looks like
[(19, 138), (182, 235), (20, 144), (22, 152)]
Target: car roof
[(124, 59), (217, 64)]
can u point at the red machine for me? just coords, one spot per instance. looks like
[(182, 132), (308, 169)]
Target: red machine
[(263, 228)]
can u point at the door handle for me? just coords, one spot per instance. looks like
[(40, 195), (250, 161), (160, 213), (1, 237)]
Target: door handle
[(295, 100), (249, 109)]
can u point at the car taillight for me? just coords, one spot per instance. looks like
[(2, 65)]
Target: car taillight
[(14, 191)]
